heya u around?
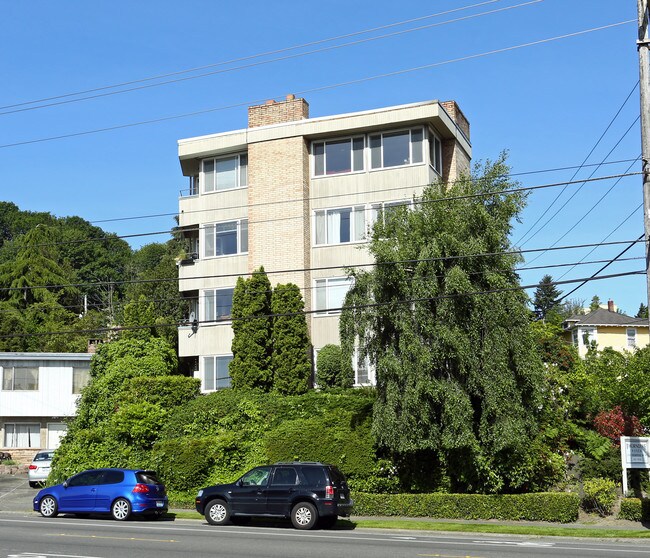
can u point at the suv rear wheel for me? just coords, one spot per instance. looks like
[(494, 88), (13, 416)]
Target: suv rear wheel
[(304, 516), (217, 512)]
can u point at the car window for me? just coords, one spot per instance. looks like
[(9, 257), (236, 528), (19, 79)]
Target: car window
[(87, 478), (285, 475), (315, 476), (336, 476), (256, 477), (147, 477), (44, 456), (113, 477)]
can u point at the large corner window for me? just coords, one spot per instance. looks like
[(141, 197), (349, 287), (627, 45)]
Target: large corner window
[(339, 226), (338, 156), (215, 372), (22, 435), (330, 294), (19, 379), (226, 239), (435, 152), (217, 304), (385, 210), (395, 149), (224, 173)]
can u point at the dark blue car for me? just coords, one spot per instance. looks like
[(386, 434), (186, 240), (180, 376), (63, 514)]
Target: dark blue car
[(120, 492)]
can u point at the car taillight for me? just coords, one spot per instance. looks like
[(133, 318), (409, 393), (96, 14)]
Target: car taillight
[(32, 467), (140, 489), (329, 491)]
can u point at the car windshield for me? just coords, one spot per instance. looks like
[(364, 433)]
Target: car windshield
[(44, 456)]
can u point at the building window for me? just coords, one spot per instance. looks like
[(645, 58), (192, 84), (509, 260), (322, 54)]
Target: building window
[(574, 337), (588, 336), (217, 304), (394, 149), (631, 337), (24, 435), (215, 372), (225, 239), (80, 379), (435, 152), (20, 379), (225, 173), (330, 294), (364, 373), (339, 226), (385, 209), (338, 156)]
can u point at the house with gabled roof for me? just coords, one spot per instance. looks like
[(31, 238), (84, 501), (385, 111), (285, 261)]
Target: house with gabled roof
[(605, 327)]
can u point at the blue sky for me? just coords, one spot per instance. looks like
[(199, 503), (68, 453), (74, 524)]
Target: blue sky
[(548, 104)]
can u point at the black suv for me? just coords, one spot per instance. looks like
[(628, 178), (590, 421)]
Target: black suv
[(309, 493)]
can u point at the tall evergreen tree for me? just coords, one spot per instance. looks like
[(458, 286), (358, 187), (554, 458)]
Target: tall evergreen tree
[(251, 345), (291, 349), (643, 311), (443, 321), (545, 296), (595, 303)]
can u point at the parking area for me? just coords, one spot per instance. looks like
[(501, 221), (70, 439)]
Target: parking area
[(15, 493)]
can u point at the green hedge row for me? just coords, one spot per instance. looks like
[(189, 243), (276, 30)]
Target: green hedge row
[(561, 507), (635, 509)]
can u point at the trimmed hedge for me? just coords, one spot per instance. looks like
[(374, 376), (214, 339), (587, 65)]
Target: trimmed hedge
[(635, 509), (561, 507)]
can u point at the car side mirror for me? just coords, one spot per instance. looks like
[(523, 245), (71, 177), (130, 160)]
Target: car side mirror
[(65, 484), (240, 482)]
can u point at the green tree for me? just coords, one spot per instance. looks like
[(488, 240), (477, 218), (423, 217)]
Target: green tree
[(291, 348), (332, 371), (642, 312), (595, 303), (251, 344), (458, 374), (546, 294)]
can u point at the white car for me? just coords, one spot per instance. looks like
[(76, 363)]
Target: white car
[(40, 468)]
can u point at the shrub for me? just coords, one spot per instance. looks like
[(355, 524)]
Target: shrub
[(166, 391), (631, 509), (614, 424), (330, 369), (559, 507), (599, 495)]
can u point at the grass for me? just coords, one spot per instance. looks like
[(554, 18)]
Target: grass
[(414, 525)]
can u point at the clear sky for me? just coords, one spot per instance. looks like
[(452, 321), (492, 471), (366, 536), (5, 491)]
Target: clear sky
[(548, 104)]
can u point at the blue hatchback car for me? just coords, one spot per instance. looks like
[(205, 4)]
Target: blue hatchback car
[(120, 492)]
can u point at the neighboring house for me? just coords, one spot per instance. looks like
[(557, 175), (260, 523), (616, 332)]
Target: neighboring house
[(39, 393), (606, 328), (298, 196)]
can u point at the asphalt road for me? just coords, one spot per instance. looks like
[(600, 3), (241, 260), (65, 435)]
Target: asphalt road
[(25, 534)]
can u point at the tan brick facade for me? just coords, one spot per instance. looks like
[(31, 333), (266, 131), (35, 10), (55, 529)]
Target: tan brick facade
[(276, 112)]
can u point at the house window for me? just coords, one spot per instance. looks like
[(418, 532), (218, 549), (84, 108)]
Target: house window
[(330, 294), (574, 337), (339, 226), (215, 372), (364, 373), (22, 435), (435, 152), (338, 156), (225, 173), (80, 379), (631, 337), (20, 379), (394, 149), (225, 239), (588, 336), (218, 304), (385, 210)]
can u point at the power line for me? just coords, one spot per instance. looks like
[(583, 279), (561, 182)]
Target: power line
[(263, 62), (315, 89)]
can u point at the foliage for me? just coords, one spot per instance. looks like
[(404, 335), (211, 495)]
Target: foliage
[(642, 312), (332, 370), (138, 424), (599, 495), (553, 349), (251, 345), (166, 391), (559, 507), (595, 303), (614, 424), (546, 294), (291, 349), (635, 509), (458, 376)]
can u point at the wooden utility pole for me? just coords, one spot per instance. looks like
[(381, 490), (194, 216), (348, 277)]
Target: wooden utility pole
[(643, 44)]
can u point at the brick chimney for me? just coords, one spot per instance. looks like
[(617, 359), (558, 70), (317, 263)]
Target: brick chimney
[(273, 112), (610, 305), (457, 115)]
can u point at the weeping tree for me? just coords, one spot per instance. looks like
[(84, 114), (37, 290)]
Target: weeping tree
[(443, 321)]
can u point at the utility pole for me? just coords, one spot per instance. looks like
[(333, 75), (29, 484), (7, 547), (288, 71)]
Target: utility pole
[(643, 44)]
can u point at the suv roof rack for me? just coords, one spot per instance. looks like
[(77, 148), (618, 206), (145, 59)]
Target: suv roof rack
[(299, 463)]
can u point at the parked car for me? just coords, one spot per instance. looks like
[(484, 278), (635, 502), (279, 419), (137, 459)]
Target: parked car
[(39, 469), (119, 492), (310, 494)]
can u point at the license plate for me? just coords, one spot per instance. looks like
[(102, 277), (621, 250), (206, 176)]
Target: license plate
[(160, 504)]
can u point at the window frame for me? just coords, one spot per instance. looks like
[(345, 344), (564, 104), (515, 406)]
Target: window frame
[(394, 132), (328, 311), (353, 233), (631, 339), (76, 371), (6, 369), (217, 318), (37, 434), (324, 142), (211, 228), (435, 151), (215, 383), (241, 175)]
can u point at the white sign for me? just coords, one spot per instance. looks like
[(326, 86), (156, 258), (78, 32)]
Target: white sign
[(635, 452)]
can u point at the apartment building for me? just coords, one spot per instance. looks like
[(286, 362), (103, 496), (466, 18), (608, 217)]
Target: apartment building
[(298, 195)]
